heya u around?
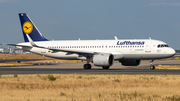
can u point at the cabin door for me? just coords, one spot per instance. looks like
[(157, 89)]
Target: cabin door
[(148, 46)]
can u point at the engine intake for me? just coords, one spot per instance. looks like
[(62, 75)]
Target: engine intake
[(103, 59)]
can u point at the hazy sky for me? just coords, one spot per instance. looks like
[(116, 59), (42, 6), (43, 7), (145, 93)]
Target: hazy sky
[(94, 19)]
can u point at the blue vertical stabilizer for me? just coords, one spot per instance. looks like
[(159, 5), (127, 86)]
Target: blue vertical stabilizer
[(29, 28)]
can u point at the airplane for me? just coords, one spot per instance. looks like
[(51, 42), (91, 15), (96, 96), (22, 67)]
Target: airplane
[(101, 53)]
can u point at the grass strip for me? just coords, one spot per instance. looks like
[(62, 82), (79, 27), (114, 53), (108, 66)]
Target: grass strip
[(93, 87)]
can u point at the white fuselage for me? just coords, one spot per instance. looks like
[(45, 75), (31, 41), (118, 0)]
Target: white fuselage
[(121, 49)]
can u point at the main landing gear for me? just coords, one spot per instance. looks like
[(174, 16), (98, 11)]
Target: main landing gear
[(87, 65), (152, 67)]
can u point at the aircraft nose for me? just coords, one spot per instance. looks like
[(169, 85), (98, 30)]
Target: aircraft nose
[(172, 51)]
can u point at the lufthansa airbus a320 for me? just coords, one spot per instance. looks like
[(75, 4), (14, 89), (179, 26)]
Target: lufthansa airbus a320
[(101, 53)]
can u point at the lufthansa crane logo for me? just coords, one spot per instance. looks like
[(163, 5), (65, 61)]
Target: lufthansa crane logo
[(27, 27)]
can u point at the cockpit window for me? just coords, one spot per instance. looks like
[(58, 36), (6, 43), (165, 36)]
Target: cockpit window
[(162, 45), (166, 46)]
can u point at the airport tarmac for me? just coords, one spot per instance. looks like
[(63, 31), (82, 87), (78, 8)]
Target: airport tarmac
[(72, 68)]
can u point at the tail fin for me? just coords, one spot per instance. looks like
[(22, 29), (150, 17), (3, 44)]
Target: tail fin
[(29, 28)]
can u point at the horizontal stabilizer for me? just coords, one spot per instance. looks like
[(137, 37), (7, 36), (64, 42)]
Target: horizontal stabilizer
[(18, 45)]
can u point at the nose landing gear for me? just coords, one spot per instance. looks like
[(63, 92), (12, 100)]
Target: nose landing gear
[(152, 66)]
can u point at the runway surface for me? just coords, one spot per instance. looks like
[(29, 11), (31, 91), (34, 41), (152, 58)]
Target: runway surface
[(72, 68)]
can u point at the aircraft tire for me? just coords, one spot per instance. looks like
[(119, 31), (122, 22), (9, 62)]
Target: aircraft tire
[(87, 66), (105, 67), (152, 67)]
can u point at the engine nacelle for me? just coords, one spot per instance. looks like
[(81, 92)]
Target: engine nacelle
[(130, 62), (104, 59)]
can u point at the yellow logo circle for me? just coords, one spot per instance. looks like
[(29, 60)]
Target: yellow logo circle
[(27, 27)]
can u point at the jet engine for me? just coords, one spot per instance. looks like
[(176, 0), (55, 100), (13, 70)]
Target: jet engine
[(130, 62), (103, 59)]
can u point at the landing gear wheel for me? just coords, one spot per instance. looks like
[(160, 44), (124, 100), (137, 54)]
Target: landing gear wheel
[(87, 66), (105, 67), (152, 67)]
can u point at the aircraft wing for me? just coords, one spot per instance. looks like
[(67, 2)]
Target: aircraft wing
[(62, 50), (79, 52), (72, 51), (58, 50)]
